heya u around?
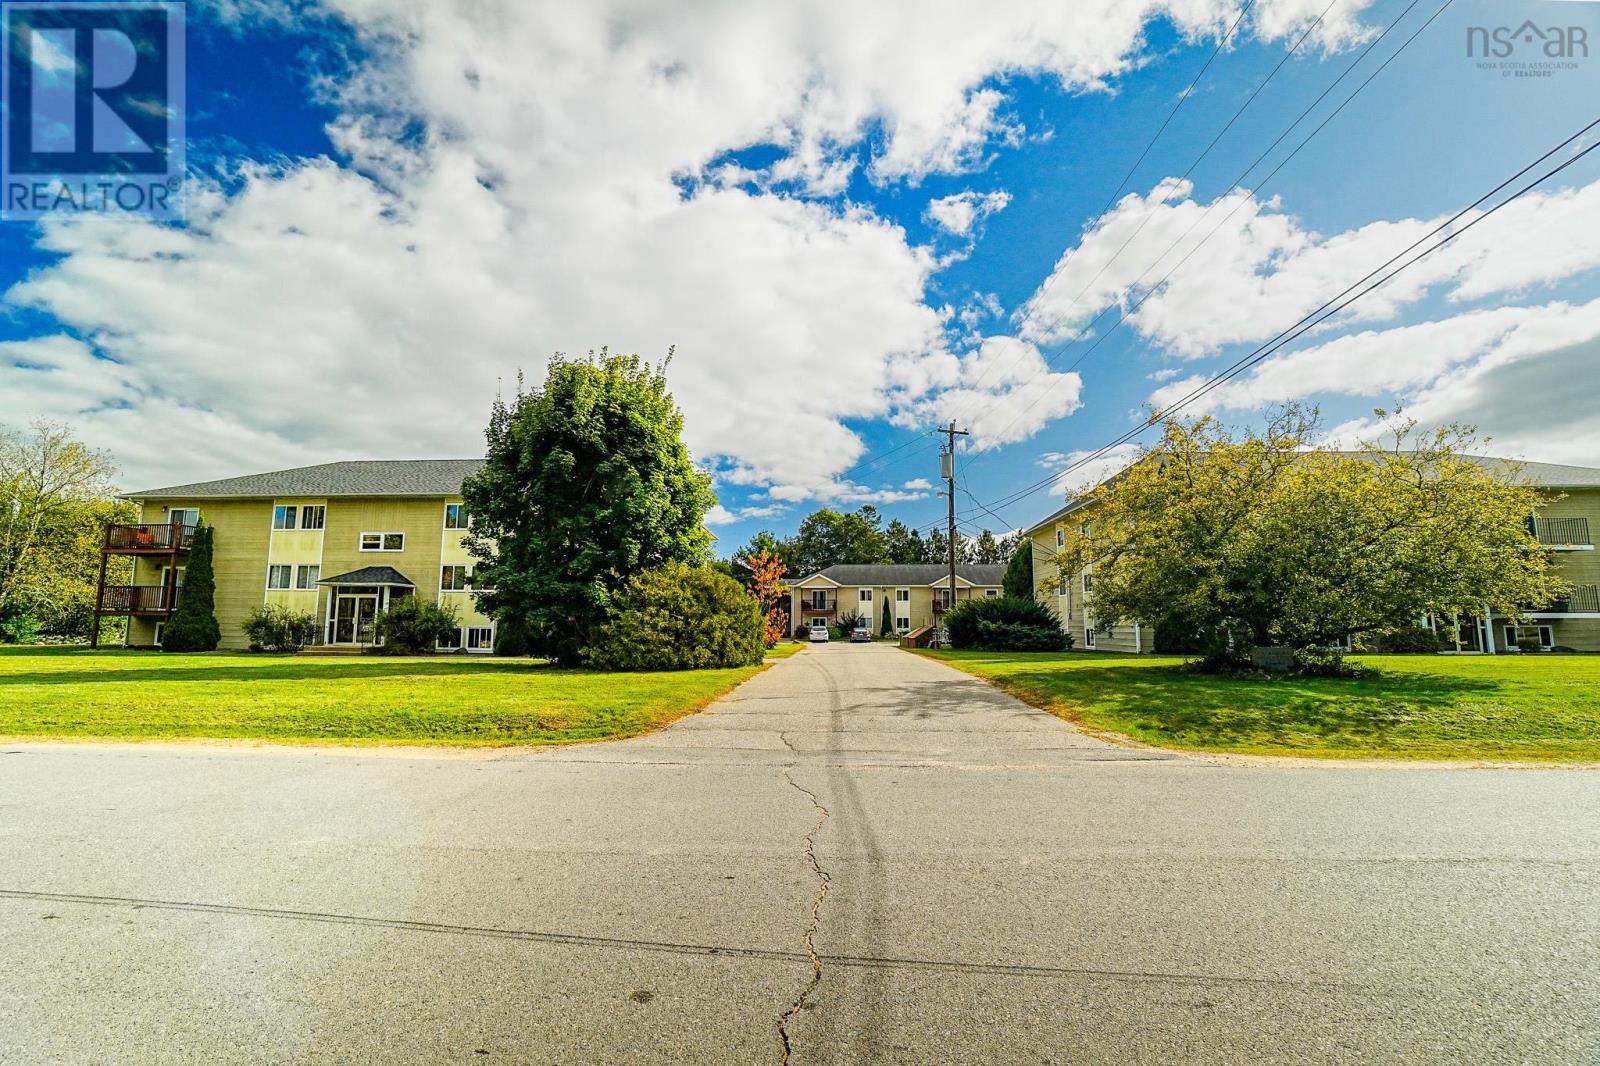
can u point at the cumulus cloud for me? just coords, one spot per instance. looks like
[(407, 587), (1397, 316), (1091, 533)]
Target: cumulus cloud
[(917, 484), (959, 212), (1082, 470), (1002, 391), (1243, 269), (517, 178)]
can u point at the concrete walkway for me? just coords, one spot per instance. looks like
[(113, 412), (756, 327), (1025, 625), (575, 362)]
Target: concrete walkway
[(859, 856)]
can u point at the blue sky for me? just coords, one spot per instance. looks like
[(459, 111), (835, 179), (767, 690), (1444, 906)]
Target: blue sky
[(396, 211)]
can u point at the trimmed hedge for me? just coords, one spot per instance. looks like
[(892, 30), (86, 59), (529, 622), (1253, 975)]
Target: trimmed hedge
[(1005, 623), (678, 617)]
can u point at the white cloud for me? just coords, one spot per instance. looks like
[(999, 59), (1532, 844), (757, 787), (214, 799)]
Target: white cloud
[(571, 187), (1408, 362), (958, 212), (1002, 391), (720, 516), (1244, 270), (918, 484), (1080, 472)]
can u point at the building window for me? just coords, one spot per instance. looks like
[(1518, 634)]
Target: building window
[(990, 594), (480, 638), (819, 599), (313, 516), (866, 596), (184, 516), (902, 624), (161, 631), (1061, 538), (279, 575), (452, 578), (383, 542), (902, 595), (306, 577), (452, 642), (1086, 528), (456, 516), (283, 517), (1088, 581), (1088, 637)]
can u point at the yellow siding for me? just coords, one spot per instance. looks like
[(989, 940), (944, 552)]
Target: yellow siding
[(919, 609), (246, 543)]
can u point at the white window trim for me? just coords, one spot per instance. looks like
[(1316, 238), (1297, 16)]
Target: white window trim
[(361, 541), (466, 639), (902, 624), (902, 595), (299, 568), (466, 577), (287, 509), (288, 569), (463, 508), (304, 507), (1088, 636), (863, 595), (174, 512)]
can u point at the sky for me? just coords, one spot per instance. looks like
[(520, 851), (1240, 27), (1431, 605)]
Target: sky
[(848, 223)]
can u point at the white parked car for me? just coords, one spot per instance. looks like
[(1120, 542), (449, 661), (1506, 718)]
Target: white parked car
[(818, 634)]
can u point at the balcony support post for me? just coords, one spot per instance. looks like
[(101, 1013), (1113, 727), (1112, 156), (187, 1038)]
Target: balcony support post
[(100, 590)]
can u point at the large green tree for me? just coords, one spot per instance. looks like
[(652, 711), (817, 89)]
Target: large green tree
[(904, 544), (1018, 580), (56, 496), (827, 537), (587, 482), (1258, 538)]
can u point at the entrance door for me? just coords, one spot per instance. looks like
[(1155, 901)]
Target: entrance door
[(353, 617)]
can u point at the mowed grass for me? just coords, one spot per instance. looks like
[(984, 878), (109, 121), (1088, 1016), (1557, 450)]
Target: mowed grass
[(441, 700), (1506, 707)]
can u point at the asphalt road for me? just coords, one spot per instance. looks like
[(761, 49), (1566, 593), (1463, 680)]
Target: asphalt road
[(861, 853)]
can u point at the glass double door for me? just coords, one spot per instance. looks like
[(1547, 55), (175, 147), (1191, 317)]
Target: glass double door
[(353, 616)]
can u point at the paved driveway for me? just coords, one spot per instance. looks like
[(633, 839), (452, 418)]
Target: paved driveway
[(861, 852)]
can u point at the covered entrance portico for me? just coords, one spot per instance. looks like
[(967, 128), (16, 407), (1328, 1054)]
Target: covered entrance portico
[(356, 599)]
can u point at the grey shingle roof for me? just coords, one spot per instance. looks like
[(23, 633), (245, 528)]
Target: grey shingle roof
[(382, 477), (911, 573), (1544, 475), (370, 575)]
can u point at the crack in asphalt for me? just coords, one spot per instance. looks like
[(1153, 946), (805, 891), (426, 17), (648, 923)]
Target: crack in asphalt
[(809, 939)]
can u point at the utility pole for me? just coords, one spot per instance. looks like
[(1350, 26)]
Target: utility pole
[(947, 470)]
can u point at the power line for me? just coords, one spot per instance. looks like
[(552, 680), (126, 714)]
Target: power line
[(1128, 311), (1187, 92), (1345, 298)]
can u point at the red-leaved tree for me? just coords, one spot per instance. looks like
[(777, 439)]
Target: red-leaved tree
[(769, 590)]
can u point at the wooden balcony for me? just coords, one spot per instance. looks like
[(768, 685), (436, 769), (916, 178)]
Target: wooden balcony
[(139, 599), (809, 605), (148, 539)]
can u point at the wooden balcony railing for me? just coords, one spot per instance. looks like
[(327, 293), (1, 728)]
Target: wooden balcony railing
[(138, 599), (149, 538), (808, 605)]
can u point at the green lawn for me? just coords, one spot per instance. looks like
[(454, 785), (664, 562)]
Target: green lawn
[(454, 700), (1509, 707)]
